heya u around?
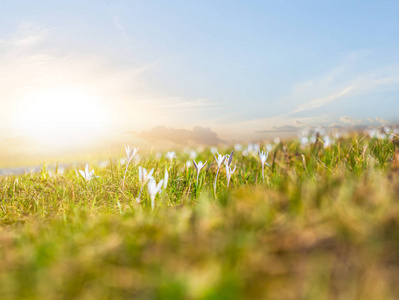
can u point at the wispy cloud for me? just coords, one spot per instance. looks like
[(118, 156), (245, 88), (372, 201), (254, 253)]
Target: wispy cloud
[(349, 120), (381, 120), (319, 102), (118, 24), (342, 82), (175, 103)]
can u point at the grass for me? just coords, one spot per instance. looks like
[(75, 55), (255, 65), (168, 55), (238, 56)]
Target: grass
[(324, 224)]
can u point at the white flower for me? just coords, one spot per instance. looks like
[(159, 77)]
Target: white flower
[(263, 158), (171, 155), (229, 159), (304, 141), (103, 163), (86, 174), (252, 149), (193, 154), (387, 129), (337, 135), (154, 189), (214, 150), (238, 147), (313, 139), (198, 166), (327, 141), (219, 159), (381, 135), (229, 172), (188, 164), (145, 176), (130, 152)]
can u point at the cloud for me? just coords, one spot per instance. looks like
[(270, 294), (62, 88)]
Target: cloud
[(344, 81), (318, 102), (349, 120), (281, 129), (175, 103), (198, 135), (349, 127), (381, 120)]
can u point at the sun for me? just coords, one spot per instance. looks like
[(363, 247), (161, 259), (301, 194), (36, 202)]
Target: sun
[(60, 114)]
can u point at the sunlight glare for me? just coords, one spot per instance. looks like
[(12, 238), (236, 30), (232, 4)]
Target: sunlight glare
[(53, 115)]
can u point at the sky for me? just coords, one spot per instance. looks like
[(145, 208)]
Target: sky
[(73, 71)]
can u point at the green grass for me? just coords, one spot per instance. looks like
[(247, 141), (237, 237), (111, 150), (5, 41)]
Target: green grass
[(323, 225)]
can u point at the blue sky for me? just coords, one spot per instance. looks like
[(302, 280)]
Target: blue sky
[(238, 67)]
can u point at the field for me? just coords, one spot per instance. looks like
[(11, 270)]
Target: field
[(322, 223)]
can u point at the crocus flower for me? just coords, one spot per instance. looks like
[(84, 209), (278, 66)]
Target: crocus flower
[(238, 147), (269, 147), (219, 161), (130, 152), (263, 158), (153, 190), (198, 167), (86, 174), (229, 172), (171, 155), (214, 150), (304, 141), (144, 177), (229, 159), (327, 141), (252, 149), (193, 154)]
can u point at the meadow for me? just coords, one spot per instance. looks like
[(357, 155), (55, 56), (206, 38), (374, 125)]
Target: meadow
[(321, 222)]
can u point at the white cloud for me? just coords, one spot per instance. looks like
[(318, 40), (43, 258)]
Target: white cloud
[(342, 82), (349, 120), (319, 102), (381, 120)]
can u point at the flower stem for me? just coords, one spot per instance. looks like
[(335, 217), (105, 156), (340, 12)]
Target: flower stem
[(138, 198), (216, 178), (127, 165), (263, 172)]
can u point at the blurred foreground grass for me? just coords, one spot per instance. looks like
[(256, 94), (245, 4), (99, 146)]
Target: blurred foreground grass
[(323, 225)]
